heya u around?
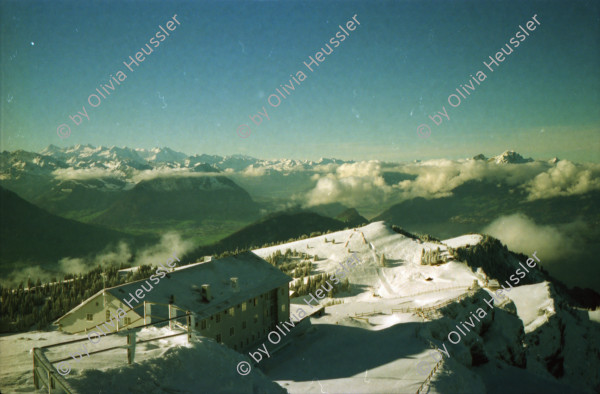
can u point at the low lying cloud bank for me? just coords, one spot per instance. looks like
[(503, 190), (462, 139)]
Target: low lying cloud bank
[(170, 243), (351, 184), (569, 252), (521, 234), (83, 174), (362, 183), (565, 179)]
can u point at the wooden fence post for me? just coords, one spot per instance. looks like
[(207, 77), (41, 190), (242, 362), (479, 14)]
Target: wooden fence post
[(130, 347), (172, 314), (190, 325), (147, 312), (50, 382), (36, 383)]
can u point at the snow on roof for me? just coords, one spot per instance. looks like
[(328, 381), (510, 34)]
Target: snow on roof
[(463, 240), (132, 269), (254, 276)]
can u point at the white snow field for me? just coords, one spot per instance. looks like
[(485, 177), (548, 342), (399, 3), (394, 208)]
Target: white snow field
[(370, 343), (166, 366)]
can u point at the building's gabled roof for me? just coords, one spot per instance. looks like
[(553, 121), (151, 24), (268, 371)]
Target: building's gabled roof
[(131, 269), (57, 321), (254, 276)]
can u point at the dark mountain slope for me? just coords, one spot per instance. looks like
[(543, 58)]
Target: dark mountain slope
[(476, 203), (277, 227), (351, 218), (32, 236), (180, 199)]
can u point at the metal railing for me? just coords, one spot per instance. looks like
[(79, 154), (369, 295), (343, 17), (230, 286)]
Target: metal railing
[(45, 374)]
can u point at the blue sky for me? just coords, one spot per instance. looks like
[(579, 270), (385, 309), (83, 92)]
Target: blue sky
[(364, 101)]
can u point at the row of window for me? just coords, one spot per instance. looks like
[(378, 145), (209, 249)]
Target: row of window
[(231, 311), (218, 318), (219, 338), (90, 317), (203, 322)]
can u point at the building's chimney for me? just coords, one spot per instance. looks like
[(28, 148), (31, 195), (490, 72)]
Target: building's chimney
[(206, 296), (234, 284)]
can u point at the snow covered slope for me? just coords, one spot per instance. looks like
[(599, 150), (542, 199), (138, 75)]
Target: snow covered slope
[(379, 337), (371, 344)]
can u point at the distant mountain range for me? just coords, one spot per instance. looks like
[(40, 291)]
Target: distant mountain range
[(88, 156), (83, 181)]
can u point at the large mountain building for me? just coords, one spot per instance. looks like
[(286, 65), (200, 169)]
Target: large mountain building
[(235, 300)]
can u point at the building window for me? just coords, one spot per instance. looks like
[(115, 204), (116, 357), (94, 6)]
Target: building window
[(127, 320), (243, 307), (255, 301), (218, 318), (203, 324), (239, 306), (219, 338), (231, 331), (107, 315), (244, 324), (232, 311), (255, 318), (89, 317)]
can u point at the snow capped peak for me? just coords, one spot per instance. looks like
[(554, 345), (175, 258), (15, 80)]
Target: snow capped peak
[(325, 160), (510, 157), (82, 148), (163, 155), (121, 158), (51, 150)]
